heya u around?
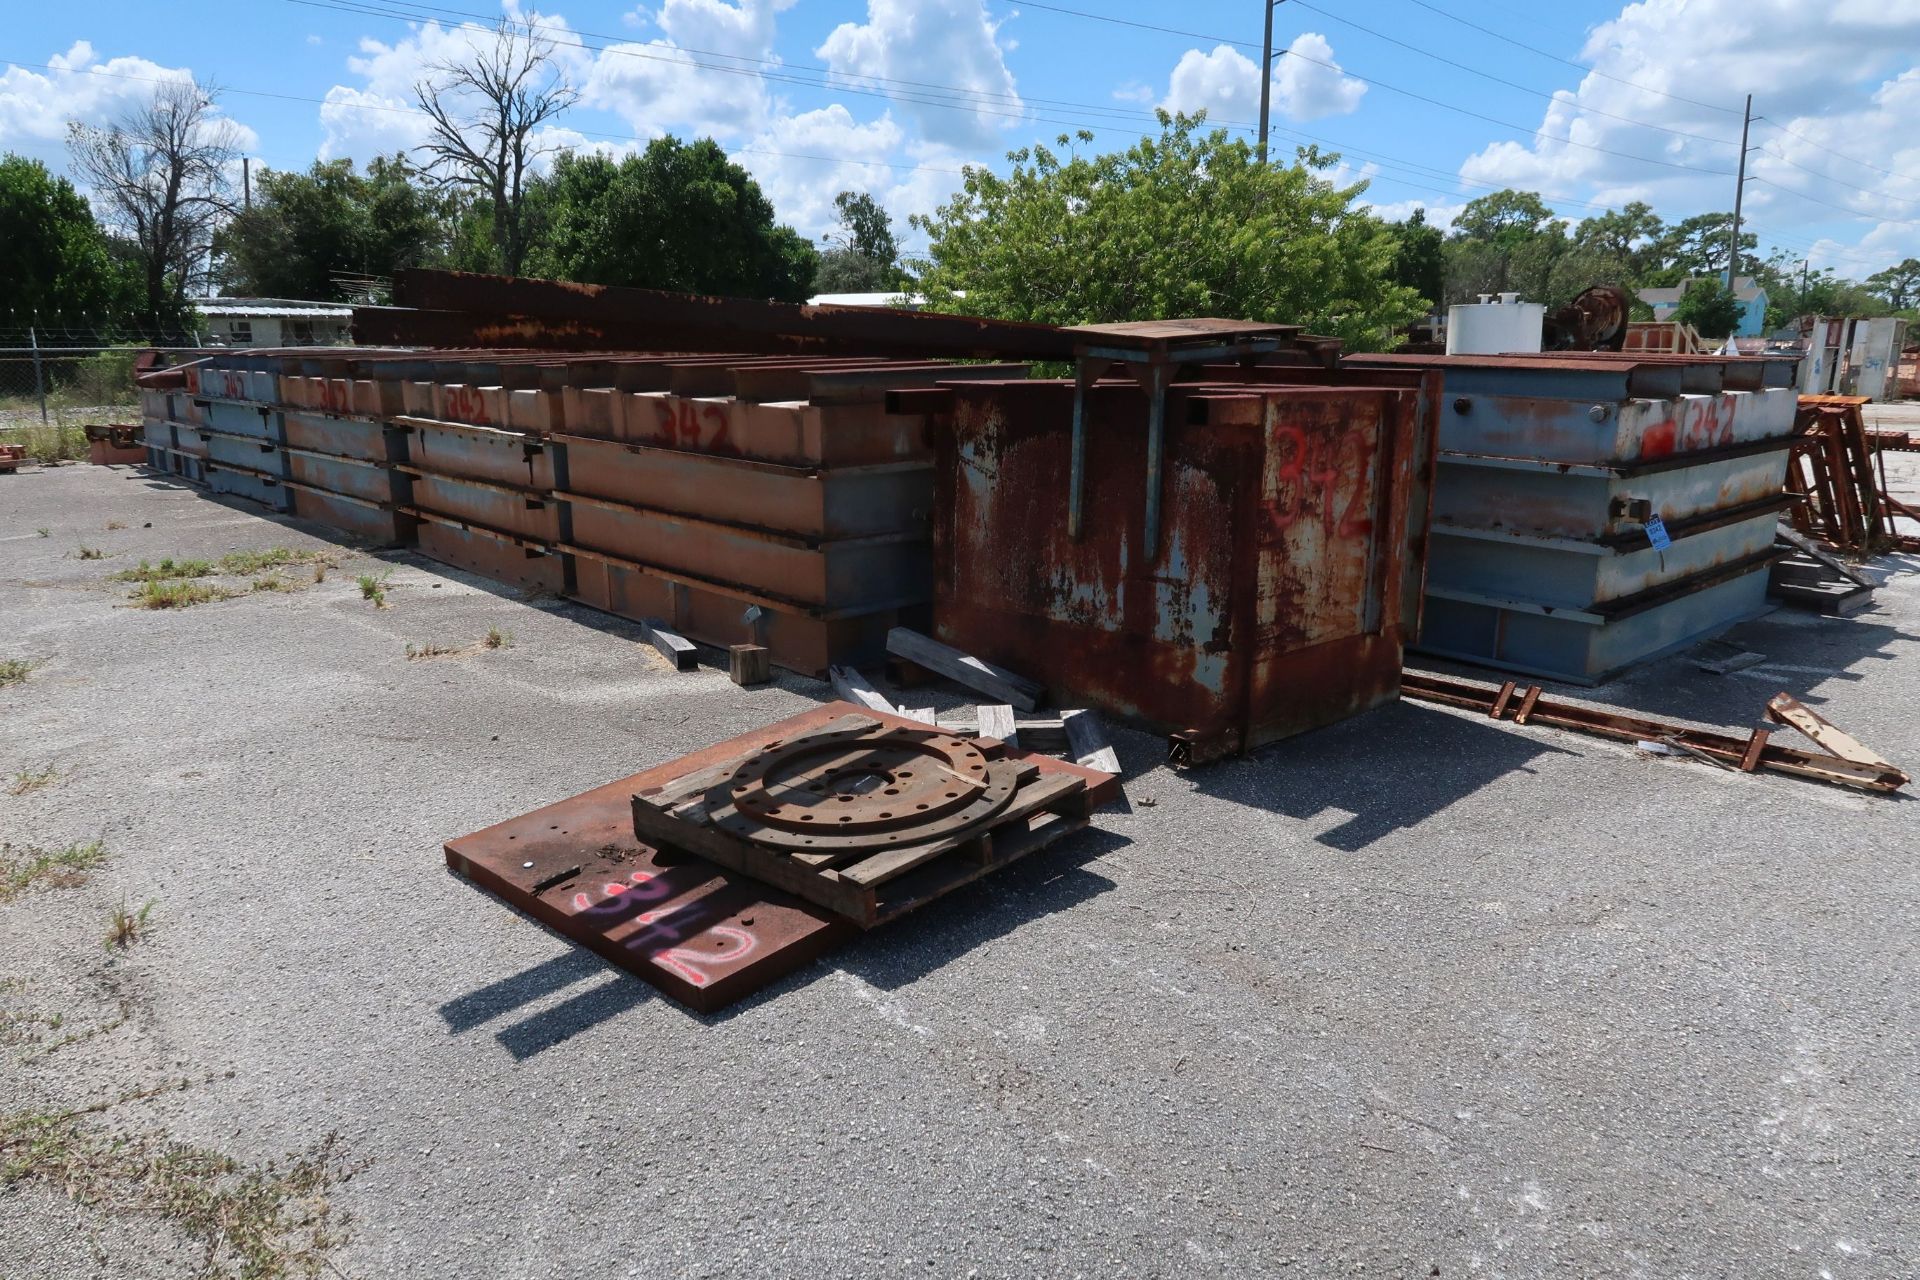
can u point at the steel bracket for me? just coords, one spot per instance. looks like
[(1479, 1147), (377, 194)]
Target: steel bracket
[(1154, 366)]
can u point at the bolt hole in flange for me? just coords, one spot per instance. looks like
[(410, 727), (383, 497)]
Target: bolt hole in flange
[(883, 789)]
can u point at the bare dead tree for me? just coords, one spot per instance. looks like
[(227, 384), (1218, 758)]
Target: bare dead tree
[(485, 111), (160, 176)]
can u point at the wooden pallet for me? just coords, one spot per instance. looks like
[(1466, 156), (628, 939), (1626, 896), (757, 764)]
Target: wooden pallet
[(869, 886)]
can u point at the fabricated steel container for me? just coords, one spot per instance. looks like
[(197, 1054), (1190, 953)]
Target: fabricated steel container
[(1287, 576)]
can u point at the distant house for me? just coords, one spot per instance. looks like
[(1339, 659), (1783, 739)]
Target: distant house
[(274, 322), (1753, 303)]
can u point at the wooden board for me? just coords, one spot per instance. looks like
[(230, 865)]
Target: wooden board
[(963, 668)]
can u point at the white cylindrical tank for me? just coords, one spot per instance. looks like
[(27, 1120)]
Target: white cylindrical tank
[(1486, 328)]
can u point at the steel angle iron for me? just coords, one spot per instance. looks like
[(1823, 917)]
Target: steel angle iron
[(847, 791)]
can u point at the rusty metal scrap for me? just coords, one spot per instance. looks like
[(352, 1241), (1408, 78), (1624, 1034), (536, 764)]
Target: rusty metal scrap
[(436, 308), (870, 815), (1839, 494), (1845, 762)]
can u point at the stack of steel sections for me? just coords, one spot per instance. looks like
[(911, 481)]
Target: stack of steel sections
[(1595, 511), (170, 421), (685, 488)]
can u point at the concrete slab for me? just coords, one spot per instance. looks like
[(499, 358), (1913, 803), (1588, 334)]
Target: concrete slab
[(1412, 995)]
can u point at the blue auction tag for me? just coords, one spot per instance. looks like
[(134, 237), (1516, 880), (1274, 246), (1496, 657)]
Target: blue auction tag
[(1657, 534)]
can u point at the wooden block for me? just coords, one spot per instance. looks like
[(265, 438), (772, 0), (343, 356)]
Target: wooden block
[(853, 687), (996, 721), (680, 651), (750, 664), (975, 673), (656, 827), (1087, 742), (923, 714)]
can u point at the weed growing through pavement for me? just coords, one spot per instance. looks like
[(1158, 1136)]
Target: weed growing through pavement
[(374, 587), (180, 595), (44, 532), (274, 582), (168, 568), (249, 562), (320, 571), (497, 639), (22, 869), (124, 927), (91, 553), (272, 1221), (415, 652), (116, 524), (14, 670), (28, 781)]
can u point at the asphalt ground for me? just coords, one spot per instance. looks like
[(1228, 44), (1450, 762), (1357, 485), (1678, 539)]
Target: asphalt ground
[(1415, 995)]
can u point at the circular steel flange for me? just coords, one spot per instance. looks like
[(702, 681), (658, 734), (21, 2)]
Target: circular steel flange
[(858, 789)]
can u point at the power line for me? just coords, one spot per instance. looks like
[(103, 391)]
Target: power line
[(1773, 124), (1511, 84), (415, 111), (1454, 17), (1857, 213)]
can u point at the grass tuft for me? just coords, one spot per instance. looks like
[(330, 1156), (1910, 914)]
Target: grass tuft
[(124, 927), (168, 568), (14, 670), (180, 595), (115, 524), (91, 553), (44, 532), (273, 1221), (497, 639), (320, 571), (251, 562), (28, 781), (274, 582), (416, 652), (22, 869), (374, 587)]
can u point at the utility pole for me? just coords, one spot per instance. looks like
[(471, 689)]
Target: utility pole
[(246, 181), (1266, 77), (1739, 190), (1266, 74), (1804, 264)]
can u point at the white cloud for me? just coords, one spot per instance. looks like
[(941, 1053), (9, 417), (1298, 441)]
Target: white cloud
[(1840, 74), (701, 76), (1226, 83), (944, 42), (35, 106), (1439, 213), (1308, 83)]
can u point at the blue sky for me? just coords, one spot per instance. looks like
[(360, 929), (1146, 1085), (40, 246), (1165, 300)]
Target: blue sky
[(1592, 104)]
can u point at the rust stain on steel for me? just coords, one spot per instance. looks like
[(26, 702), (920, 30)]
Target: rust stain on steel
[(1277, 601)]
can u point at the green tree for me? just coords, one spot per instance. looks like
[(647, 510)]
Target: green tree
[(1698, 246), (1899, 285), (1494, 230), (677, 216), (862, 257), (1710, 307), (306, 228), (1183, 224), (54, 258), (1625, 237), (1420, 259)]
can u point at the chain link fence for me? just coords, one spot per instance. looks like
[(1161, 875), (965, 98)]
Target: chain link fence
[(54, 382)]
